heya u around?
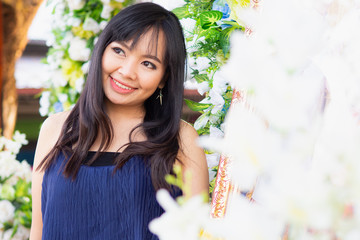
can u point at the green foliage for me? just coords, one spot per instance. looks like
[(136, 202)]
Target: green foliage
[(201, 78), (212, 182), (209, 40), (15, 185), (181, 12), (225, 39), (208, 19), (195, 106)]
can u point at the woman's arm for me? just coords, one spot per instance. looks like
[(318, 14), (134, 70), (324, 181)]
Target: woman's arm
[(49, 133), (193, 159)]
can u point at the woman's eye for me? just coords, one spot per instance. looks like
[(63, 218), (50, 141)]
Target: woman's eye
[(149, 65), (118, 50)]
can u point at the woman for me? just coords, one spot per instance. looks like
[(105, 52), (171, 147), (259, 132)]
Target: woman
[(97, 167)]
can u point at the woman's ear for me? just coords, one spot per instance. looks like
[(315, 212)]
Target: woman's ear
[(162, 84)]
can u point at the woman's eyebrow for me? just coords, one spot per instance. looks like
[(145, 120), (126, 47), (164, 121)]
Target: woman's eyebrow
[(146, 55), (152, 57)]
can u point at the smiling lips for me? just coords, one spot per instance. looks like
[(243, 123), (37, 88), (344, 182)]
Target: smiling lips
[(120, 87)]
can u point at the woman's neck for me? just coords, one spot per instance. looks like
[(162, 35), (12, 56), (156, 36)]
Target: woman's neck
[(121, 113)]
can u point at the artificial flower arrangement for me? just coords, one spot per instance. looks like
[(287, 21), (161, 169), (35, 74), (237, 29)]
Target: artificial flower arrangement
[(207, 27), (15, 190), (75, 27), (295, 137)]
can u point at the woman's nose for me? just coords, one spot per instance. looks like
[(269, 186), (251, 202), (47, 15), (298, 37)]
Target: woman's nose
[(128, 69)]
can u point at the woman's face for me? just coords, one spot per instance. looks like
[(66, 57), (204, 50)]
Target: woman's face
[(130, 76)]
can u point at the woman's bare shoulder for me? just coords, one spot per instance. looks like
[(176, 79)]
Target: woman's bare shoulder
[(188, 139), (193, 158), (187, 130), (49, 134), (55, 121)]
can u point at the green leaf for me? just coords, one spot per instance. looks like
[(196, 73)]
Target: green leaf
[(25, 221), (201, 78), (195, 106), (233, 23), (44, 61), (225, 39), (181, 12), (22, 188), (207, 19)]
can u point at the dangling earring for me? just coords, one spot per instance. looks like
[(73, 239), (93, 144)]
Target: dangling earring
[(160, 96)]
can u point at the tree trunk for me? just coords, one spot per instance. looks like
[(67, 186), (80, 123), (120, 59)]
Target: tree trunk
[(17, 17)]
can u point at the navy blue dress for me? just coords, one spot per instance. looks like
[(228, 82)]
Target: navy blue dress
[(98, 204)]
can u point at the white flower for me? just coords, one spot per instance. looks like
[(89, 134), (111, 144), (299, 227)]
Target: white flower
[(353, 235), (59, 8), (85, 67), (20, 138), (203, 87), (24, 171), (179, 222), (216, 100), (7, 211), (202, 63), (73, 21), (212, 161), (246, 141), (44, 100), (170, 5), (214, 118), (95, 40), (12, 146), (44, 103), (188, 25), (43, 111), (79, 84), (75, 4), (103, 24), (244, 220), (68, 38), (50, 40), (57, 78), (91, 25), (9, 165), (219, 82), (201, 121), (21, 233), (54, 59), (106, 12), (78, 50), (216, 132), (63, 97)]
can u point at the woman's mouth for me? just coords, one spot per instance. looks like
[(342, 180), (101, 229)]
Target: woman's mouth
[(120, 85)]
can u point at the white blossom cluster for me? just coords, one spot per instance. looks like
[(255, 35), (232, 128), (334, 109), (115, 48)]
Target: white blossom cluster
[(214, 95), (297, 136), (11, 170)]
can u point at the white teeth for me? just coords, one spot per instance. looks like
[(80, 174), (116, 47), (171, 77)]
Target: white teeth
[(120, 85)]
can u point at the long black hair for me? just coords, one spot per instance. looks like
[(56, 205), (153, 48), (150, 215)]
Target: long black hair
[(161, 123)]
